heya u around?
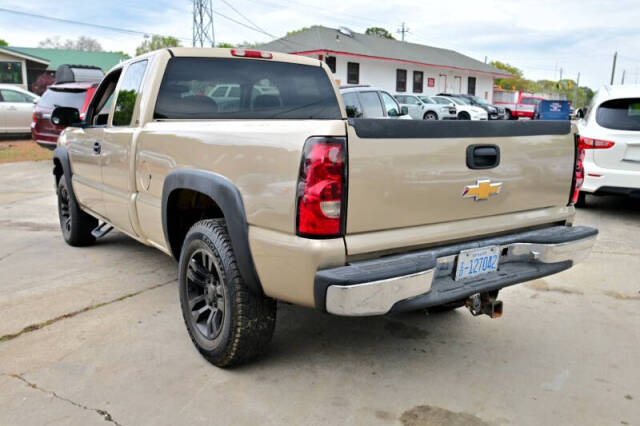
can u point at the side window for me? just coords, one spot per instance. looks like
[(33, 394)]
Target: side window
[(390, 105), (128, 93), (401, 80), (411, 100), (353, 73), (11, 72), (418, 77), (401, 99), (219, 92), (371, 106), (98, 110), (331, 63), (352, 105), (13, 96)]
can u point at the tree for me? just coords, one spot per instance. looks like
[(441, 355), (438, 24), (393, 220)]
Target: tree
[(294, 32), (3, 43), (380, 32), (84, 43), (225, 45), (157, 42)]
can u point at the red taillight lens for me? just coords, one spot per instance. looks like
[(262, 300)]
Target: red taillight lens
[(321, 188), (34, 118), (589, 143), (251, 54), (578, 178)]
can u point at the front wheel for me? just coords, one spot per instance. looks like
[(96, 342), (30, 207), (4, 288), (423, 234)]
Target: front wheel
[(75, 224), (430, 116), (227, 323), (464, 116)]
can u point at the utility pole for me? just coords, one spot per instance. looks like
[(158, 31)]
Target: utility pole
[(485, 59), (203, 24), (403, 30), (560, 75), (623, 73), (575, 92), (613, 68)]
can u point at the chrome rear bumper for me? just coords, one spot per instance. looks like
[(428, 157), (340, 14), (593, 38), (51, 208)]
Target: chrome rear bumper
[(424, 279)]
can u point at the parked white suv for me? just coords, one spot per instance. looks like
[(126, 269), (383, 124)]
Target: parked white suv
[(423, 108), (466, 111), (610, 141)]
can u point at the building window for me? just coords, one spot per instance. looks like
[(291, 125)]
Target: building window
[(471, 85), (331, 63), (353, 73), (418, 77), (401, 80), (11, 72)]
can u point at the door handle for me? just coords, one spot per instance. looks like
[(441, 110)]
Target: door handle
[(97, 148), (483, 156), (12, 108)]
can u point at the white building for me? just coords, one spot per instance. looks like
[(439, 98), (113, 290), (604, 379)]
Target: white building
[(396, 66)]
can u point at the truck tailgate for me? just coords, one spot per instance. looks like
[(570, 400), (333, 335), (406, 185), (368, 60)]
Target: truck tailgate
[(405, 173)]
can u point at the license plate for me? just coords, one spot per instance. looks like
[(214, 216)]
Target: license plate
[(472, 263)]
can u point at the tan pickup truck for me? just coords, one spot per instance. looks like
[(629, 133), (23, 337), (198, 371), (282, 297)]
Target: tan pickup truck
[(268, 192)]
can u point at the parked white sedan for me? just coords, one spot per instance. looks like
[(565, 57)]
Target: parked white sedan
[(16, 109), (610, 140), (423, 108), (466, 111)]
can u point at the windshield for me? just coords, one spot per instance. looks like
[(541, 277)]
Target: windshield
[(480, 101), (458, 101), (426, 99)]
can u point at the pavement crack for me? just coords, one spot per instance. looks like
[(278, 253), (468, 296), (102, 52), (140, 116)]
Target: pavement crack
[(38, 326), (103, 413)]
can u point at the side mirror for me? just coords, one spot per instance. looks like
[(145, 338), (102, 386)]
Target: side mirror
[(404, 110), (65, 116)]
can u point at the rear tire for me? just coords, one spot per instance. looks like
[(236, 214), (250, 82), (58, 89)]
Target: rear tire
[(75, 224), (582, 200), (464, 116), (227, 323)]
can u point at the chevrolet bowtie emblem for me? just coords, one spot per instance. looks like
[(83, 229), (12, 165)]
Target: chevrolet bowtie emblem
[(482, 190)]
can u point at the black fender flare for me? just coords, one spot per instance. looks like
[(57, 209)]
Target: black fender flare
[(62, 155), (227, 196)]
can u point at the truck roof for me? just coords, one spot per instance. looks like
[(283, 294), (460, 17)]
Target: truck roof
[(217, 52)]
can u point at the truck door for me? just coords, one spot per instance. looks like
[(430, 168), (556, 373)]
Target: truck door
[(85, 146), (117, 148)]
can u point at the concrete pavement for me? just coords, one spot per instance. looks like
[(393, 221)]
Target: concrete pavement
[(95, 334)]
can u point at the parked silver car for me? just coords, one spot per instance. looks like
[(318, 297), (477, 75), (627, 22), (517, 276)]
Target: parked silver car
[(371, 102), (424, 108)]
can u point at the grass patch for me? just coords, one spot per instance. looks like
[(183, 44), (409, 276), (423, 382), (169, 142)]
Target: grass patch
[(25, 150)]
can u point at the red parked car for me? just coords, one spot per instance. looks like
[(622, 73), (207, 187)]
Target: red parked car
[(76, 95)]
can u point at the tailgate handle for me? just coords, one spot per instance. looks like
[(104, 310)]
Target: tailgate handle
[(483, 156)]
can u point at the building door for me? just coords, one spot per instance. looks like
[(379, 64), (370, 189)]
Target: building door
[(457, 84), (442, 83), (471, 86)]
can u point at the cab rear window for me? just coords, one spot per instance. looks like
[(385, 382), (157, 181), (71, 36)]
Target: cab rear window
[(196, 88), (619, 114)]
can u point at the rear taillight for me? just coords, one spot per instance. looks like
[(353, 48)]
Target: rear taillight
[(34, 118), (322, 188), (578, 178), (589, 143), (251, 54)]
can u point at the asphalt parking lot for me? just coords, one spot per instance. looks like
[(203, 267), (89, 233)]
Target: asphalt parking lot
[(95, 334)]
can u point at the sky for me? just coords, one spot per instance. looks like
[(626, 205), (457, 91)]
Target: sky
[(541, 37)]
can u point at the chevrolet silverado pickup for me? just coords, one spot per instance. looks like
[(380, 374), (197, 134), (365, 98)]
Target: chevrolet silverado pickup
[(279, 196)]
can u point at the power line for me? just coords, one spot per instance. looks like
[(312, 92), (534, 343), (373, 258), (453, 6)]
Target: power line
[(246, 19), (69, 21)]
